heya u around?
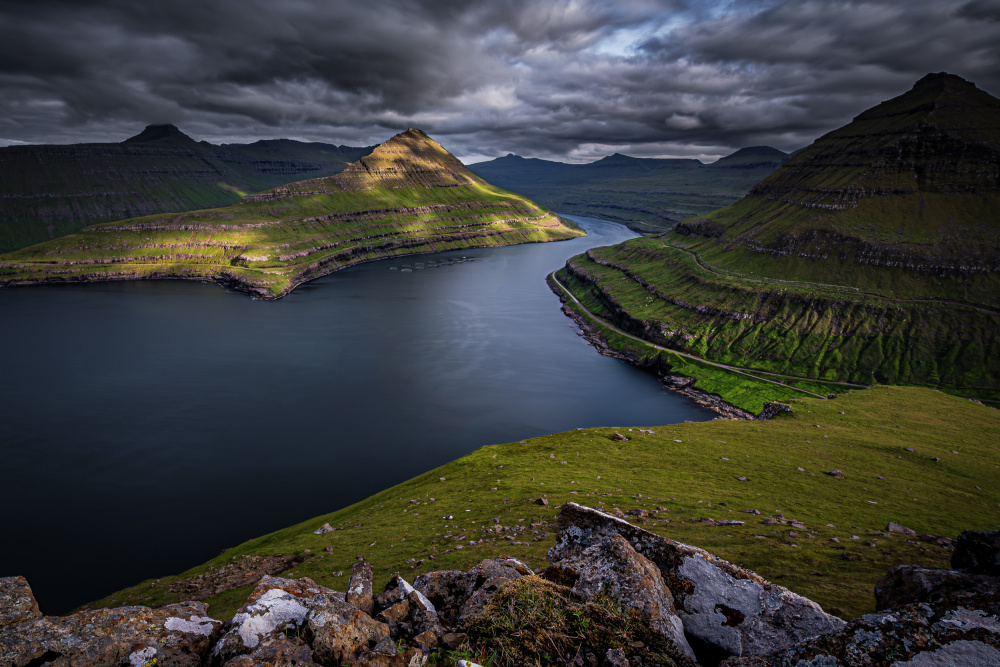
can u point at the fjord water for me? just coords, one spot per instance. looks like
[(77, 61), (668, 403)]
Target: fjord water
[(148, 425)]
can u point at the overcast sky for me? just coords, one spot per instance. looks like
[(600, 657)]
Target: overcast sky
[(561, 79)]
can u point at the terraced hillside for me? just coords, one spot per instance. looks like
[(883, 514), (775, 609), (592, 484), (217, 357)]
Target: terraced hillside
[(408, 196), (873, 255), (648, 195), (50, 191)]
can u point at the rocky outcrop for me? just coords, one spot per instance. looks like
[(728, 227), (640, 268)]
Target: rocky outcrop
[(721, 605), (928, 617), (17, 603), (613, 594), (177, 635), (977, 553), (913, 636), (612, 567)]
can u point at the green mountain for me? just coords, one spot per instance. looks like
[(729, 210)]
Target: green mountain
[(408, 196), (873, 255), (646, 194), (50, 191)]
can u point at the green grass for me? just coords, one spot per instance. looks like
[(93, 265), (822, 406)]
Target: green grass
[(52, 191), (683, 468), (665, 296)]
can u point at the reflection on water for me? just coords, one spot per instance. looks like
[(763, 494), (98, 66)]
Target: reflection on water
[(148, 425)]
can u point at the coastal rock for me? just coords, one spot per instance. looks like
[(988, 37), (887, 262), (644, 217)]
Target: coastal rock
[(274, 606), (611, 566), (359, 587), (977, 553), (177, 635), (17, 602), (724, 606)]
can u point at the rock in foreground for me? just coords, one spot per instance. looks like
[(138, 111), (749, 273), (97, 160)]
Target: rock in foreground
[(614, 595)]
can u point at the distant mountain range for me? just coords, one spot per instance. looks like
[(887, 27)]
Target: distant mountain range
[(408, 195), (48, 191), (873, 255), (646, 194)]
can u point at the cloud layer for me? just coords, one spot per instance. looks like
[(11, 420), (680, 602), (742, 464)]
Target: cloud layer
[(562, 79)]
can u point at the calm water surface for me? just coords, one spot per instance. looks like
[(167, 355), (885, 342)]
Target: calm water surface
[(146, 426)]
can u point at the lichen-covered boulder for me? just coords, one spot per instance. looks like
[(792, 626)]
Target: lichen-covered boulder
[(447, 590), (276, 652), (908, 584), (489, 575), (458, 596), (396, 591), (611, 566), (177, 635), (916, 635), (977, 553), (341, 633), (359, 587), (725, 606), (17, 602), (275, 606)]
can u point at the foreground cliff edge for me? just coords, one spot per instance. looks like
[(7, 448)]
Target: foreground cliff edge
[(408, 196), (612, 595)]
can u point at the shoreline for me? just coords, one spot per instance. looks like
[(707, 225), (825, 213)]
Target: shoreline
[(677, 383), (259, 293)]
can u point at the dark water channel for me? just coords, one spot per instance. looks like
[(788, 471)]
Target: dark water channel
[(145, 426)]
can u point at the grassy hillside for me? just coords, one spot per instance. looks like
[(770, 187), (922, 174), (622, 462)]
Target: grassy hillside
[(873, 255), (408, 196), (648, 195), (51, 191), (482, 504)]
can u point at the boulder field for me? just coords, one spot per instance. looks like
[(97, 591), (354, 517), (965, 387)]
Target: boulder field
[(613, 594)]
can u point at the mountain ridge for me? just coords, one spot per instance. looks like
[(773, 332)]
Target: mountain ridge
[(408, 196), (49, 191), (646, 194), (872, 255)]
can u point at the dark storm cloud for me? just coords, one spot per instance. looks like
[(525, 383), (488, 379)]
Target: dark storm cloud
[(560, 78)]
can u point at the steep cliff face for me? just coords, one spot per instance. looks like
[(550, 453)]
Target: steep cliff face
[(409, 196), (912, 183), (50, 191), (873, 255)]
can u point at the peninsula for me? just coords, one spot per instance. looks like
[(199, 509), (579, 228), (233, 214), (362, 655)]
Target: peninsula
[(408, 196)]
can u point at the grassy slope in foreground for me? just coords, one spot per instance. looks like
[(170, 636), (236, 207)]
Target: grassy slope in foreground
[(409, 196), (689, 470)]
